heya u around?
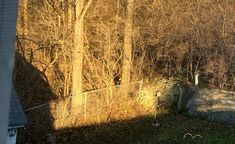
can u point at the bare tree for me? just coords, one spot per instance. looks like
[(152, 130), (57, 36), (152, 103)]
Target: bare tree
[(25, 16), (78, 51), (127, 49), (70, 15)]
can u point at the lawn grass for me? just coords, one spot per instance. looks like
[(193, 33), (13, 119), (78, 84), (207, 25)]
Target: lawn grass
[(140, 131)]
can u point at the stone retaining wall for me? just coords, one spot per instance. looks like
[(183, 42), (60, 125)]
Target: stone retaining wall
[(214, 105)]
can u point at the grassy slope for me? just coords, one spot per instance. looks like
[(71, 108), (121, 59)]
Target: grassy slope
[(140, 131)]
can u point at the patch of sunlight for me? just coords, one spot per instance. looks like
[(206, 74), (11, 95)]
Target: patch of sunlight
[(103, 106)]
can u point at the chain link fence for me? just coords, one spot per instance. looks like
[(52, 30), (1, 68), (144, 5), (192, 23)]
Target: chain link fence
[(114, 103)]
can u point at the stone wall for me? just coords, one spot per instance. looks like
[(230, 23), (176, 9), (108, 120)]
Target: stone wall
[(210, 104), (214, 105)]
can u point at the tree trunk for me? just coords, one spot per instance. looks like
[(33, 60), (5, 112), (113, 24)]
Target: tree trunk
[(127, 49), (25, 17), (78, 56), (70, 15), (78, 51)]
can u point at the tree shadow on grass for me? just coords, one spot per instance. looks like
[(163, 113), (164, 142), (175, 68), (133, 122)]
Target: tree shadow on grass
[(126, 131), (141, 131)]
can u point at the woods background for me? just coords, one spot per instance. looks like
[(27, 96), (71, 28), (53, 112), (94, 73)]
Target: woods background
[(68, 47), (81, 45)]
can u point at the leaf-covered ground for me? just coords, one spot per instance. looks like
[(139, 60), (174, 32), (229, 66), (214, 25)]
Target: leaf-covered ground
[(174, 129)]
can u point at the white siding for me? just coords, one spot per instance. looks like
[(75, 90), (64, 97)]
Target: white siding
[(8, 10), (11, 139)]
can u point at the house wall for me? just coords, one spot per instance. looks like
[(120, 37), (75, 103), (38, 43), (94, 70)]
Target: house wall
[(11, 139), (8, 11)]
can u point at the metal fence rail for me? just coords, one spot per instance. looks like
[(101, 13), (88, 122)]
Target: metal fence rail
[(101, 105)]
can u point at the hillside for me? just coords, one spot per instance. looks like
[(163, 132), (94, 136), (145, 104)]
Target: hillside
[(94, 58)]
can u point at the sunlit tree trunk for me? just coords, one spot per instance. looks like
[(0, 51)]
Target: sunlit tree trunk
[(78, 56), (78, 52), (25, 17), (69, 15), (127, 49)]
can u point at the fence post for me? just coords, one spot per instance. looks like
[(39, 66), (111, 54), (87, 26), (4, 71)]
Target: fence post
[(141, 85), (111, 94), (85, 105)]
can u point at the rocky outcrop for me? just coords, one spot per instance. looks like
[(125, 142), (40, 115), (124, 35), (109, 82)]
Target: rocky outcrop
[(214, 105), (210, 104)]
